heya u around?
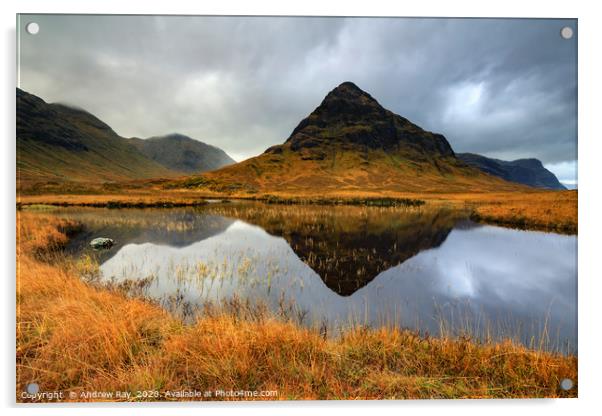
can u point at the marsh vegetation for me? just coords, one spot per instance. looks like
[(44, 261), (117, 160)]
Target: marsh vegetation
[(76, 332), (429, 269)]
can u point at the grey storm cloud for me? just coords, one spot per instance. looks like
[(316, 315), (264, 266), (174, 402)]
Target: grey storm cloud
[(504, 88)]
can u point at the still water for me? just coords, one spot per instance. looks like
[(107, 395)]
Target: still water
[(426, 269)]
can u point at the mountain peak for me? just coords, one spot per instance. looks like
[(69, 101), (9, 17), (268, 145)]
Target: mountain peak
[(176, 137), (348, 88), (339, 98), (350, 119), (529, 163), (349, 84)]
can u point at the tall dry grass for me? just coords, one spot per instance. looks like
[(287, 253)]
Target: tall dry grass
[(547, 211), (74, 337), (530, 209)]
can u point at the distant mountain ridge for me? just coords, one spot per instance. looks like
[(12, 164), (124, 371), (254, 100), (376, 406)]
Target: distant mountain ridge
[(182, 153), (529, 172)]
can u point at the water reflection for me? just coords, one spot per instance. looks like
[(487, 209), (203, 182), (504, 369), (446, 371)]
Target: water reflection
[(349, 246), (176, 228), (422, 269)]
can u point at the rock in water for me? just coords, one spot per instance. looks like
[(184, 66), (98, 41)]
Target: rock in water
[(102, 243)]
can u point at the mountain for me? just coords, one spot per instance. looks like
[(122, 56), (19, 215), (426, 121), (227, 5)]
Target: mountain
[(350, 119), (183, 154), (57, 143), (350, 144), (529, 172)]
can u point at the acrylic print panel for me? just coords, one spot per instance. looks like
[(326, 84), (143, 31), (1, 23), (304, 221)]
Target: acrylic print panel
[(293, 208)]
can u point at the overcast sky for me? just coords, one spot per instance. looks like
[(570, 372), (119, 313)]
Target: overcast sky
[(502, 88)]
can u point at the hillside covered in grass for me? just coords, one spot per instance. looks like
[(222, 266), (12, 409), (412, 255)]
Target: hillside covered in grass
[(351, 144), (61, 144)]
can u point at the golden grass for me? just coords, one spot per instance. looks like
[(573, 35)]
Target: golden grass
[(552, 211), (344, 170), (530, 209), (74, 337), (341, 175)]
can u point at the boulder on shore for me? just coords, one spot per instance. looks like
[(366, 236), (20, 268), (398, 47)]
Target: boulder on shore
[(102, 243)]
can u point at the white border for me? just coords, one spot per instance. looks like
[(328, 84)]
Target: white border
[(590, 151)]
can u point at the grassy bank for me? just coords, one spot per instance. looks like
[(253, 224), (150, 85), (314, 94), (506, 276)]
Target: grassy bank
[(75, 337), (557, 214), (539, 210)]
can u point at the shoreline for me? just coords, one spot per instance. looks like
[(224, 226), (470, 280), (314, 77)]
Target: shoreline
[(551, 211)]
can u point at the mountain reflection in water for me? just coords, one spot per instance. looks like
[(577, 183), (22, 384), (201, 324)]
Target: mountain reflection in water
[(417, 268), (349, 246)]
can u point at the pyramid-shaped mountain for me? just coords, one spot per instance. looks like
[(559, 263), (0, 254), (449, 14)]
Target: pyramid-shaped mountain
[(351, 119), (351, 146)]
